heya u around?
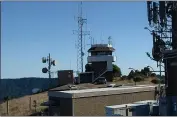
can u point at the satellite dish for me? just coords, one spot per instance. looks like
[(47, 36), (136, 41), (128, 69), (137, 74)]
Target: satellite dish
[(44, 60), (44, 70), (35, 90), (53, 62)]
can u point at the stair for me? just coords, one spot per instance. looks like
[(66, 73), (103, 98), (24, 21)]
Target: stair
[(100, 75)]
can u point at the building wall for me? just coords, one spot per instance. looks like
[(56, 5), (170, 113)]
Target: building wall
[(172, 80), (65, 77), (64, 107), (95, 106), (98, 58), (99, 67), (109, 76), (102, 66), (86, 77)]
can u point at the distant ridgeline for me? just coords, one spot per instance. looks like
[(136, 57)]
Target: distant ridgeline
[(15, 88)]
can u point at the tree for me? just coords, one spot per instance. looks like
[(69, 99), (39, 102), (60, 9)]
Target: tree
[(88, 67), (131, 75), (146, 71), (124, 77), (137, 71), (7, 98), (153, 75), (142, 71), (116, 71)]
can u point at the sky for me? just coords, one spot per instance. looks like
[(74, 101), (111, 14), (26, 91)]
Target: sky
[(31, 30)]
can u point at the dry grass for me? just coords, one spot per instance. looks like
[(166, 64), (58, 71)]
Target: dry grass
[(120, 81), (21, 106)]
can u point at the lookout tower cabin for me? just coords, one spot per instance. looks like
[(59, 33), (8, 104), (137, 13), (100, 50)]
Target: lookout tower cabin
[(100, 58)]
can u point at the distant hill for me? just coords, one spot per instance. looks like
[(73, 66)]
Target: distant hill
[(23, 86)]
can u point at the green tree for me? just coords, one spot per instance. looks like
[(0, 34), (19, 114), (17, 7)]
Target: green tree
[(146, 71), (142, 71), (116, 71), (131, 75), (153, 75), (7, 98), (137, 71), (137, 78), (88, 67)]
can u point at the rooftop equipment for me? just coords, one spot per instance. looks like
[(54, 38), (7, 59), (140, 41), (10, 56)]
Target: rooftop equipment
[(128, 110)]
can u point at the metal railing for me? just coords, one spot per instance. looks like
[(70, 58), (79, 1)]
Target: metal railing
[(100, 75)]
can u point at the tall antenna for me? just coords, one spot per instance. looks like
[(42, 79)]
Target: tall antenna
[(80, 44), (109, 40), (163, 16)]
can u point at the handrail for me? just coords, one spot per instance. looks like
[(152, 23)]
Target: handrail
[(101, 71), (100, 75)]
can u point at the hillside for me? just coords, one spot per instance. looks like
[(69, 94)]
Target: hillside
[(23, 86), (23, 106)]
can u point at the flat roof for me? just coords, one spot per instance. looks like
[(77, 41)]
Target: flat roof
[(99, 91), (146, 102), (123, 105)]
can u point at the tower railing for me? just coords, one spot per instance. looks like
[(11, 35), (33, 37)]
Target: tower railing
[(101, 73)]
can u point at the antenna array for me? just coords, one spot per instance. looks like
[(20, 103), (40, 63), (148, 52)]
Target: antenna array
[(80, 41), (160, 19)]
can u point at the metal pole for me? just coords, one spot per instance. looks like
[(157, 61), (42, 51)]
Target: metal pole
[(7, 104), (126, 110), (81, 46), (160, 74), (49, 67)]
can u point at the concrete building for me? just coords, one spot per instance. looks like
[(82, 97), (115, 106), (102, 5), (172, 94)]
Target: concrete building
[(101, 58), (65, 77), (92, 102)]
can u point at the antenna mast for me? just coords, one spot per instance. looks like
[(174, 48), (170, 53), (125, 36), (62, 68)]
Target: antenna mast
[(80, 44), (109, 40), (162, 18)]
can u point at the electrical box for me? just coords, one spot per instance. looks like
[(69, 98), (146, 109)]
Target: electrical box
[(162, 106), (153, 106), (154, 110), (116, 110), (130, 110)]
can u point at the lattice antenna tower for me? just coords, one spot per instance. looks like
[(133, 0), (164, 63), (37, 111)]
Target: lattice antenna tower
[(80, 42), (160, 20)]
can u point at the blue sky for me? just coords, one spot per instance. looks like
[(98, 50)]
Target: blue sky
[(30, 30)]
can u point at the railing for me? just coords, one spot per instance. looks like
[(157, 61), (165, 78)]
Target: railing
[(100, 75), (101, 58)]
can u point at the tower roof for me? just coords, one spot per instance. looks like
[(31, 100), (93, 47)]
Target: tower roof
[(101, 47)]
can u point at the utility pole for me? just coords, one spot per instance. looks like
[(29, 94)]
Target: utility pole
[(50, 63), (49, 67)]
